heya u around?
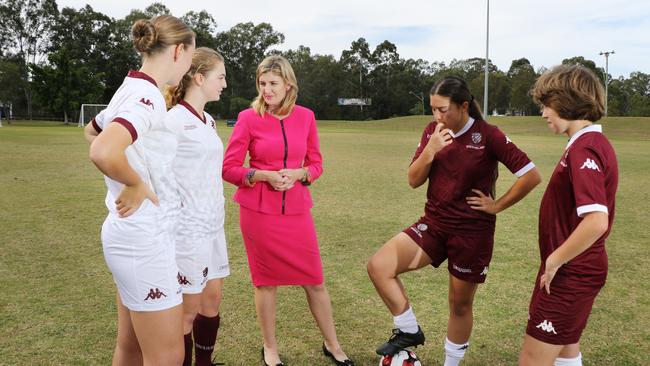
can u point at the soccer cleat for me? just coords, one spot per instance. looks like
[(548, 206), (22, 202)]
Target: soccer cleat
[(400, 340)]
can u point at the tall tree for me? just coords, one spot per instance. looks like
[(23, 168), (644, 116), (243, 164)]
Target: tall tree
[(522, 77), (64, 83), (25, 30)]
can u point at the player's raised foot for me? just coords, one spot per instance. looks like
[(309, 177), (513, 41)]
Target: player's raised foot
[(400, 340)]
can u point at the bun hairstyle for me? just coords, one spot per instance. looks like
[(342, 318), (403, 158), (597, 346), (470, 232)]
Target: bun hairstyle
[(155, 34), (457, 91), (573, 91), (204, 60)]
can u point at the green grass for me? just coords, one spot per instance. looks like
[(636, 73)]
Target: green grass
[(57, 303)]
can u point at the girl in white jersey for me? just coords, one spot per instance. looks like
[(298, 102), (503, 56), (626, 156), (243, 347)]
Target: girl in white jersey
[(201, 251), (132, 147)]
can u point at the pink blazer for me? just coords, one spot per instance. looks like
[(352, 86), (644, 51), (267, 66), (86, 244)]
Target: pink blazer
[(273, 145)]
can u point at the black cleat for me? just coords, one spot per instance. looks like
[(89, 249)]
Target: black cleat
[(400, 340)]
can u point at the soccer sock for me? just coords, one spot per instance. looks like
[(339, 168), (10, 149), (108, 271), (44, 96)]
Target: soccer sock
[(406, 322), (205, 335), (454, 353), (187, 361), (569, 361)]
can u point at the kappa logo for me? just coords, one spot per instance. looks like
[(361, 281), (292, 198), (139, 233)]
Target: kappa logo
[(205, 272), (508, 140), (563, 163), (590, 164), (464, 347), (146, 102), (154, 294), (182, 280), (546, 326), (485, 271), (476, 137)]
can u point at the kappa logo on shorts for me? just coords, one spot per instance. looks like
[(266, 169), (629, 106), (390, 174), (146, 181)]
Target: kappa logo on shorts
[(546, 326), (590, 164), (205, 272), (182, 280), (154, 294), (485, 271)]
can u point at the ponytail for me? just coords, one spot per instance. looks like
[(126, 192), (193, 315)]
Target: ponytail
[(457, 91)]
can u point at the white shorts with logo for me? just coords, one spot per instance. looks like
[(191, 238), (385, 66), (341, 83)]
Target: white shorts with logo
[(142, 260), (201, 259)]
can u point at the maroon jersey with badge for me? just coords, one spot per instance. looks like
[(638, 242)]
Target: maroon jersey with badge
[(469, 162), (584, 180)]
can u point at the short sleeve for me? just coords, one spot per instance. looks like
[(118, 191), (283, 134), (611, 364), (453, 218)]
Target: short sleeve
[(98, 122), (509, 154), (136, 115), (586, 169), (424, 140)]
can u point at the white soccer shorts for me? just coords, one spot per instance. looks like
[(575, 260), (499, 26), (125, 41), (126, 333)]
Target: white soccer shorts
[(201, 259)]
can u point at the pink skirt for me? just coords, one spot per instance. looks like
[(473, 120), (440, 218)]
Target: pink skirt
[(282, 249)]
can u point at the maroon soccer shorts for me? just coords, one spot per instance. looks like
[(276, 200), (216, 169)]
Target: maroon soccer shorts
[(560, 318), (468, 255)]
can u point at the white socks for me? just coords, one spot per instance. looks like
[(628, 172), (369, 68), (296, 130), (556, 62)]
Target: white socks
[(569, 361), (454, 352), (406, 322)]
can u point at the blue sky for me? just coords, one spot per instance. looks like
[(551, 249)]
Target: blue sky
[(545, 32)]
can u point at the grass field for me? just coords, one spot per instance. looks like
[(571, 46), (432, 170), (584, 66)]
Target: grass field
[(57, 303)]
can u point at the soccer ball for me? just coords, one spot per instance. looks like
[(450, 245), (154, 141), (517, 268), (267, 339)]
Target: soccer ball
[(404, 357)]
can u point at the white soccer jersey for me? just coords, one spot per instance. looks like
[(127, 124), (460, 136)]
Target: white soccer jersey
[(140, 107), (197, 167)]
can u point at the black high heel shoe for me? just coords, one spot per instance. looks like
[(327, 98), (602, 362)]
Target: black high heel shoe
[(264, 360), (346, 362)]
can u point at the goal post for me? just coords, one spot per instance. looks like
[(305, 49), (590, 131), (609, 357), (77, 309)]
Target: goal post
[(88, 111)]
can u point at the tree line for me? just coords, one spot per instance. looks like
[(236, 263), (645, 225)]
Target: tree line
[(52, 60)]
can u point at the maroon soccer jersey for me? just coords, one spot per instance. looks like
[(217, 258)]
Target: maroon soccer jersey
[(584, 180), (469, 162)]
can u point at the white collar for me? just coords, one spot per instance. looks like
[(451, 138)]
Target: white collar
[(592, 128), (468, 125)]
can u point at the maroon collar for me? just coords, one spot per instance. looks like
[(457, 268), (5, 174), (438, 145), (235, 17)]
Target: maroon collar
[(141, 75), (192, 110)]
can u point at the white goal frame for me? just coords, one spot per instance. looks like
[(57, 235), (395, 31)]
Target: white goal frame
[(82, 117)]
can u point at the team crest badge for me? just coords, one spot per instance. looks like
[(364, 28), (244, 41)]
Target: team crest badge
[(422, 227), (476, 137)]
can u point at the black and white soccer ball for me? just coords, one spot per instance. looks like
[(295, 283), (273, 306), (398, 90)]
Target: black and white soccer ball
[(404, 357)]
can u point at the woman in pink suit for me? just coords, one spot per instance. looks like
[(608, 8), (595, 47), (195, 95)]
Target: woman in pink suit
[(275, 202)]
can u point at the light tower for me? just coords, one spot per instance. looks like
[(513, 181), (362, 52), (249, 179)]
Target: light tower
[(606, 54)]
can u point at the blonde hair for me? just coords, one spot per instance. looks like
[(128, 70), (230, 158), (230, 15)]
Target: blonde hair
[(574, 92), (155, 34), (204, 60), (277, 65)]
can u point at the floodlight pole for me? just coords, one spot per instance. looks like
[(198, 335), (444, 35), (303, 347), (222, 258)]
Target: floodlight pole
[(420, 97), (606, 54), (487, 55)]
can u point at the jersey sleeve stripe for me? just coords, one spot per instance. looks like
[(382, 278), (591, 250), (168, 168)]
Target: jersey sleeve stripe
[(96, 126), (525, 169), (583, 210), (129, 126)]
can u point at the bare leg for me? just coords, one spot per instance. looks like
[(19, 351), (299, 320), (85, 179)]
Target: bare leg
[(537, 353), (211, 298), (461, 318), (191, 305), (400, 254), (321, 308), (160, 335), (265, 298), (127, 349)]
